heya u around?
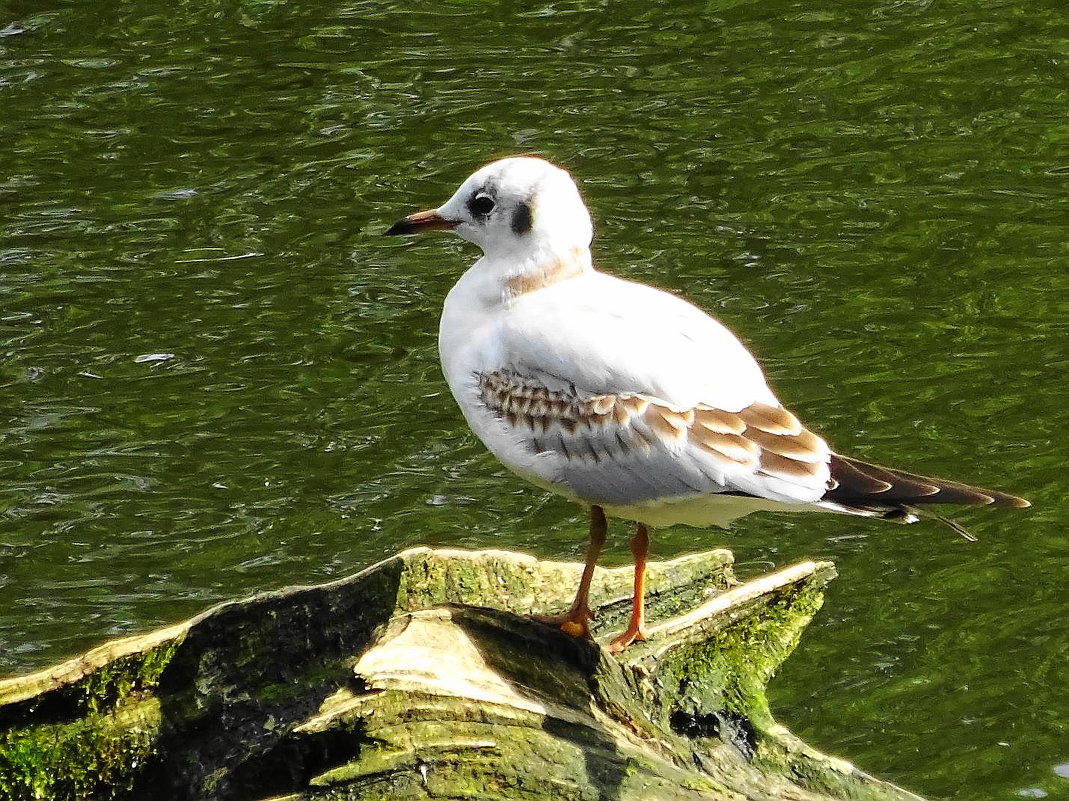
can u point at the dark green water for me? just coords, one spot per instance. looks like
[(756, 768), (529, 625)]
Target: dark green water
[(874, 195)]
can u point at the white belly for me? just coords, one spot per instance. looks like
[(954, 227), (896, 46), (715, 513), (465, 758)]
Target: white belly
[(702, 511)]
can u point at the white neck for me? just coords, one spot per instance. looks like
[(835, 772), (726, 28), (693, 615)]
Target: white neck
[(492, 285)]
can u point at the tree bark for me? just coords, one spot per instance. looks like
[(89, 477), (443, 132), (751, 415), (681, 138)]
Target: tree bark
[(422, 677)]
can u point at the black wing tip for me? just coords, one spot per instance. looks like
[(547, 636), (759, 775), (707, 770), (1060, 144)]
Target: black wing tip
[(963, 494), (861, 483), (1011, 501)]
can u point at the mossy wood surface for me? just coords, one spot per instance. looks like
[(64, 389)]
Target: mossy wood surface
[(421, 678)]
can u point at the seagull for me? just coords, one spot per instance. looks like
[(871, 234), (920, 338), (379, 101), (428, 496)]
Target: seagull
[(623, 397)]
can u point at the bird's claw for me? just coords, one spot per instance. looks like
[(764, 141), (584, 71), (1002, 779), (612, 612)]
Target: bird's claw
[(631, 635), (575, 622)]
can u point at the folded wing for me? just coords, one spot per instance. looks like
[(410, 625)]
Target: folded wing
[(643, 397)]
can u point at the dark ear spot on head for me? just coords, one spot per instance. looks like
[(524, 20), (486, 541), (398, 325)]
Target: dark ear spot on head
[(521, 219)]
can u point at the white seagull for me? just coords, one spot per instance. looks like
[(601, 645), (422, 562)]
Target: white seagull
[(623, 397)]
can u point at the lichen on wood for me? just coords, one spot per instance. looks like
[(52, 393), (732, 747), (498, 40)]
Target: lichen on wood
[(424, 677)]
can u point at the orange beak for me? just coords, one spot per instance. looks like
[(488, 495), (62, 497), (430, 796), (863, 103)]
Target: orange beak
[(420, 221)]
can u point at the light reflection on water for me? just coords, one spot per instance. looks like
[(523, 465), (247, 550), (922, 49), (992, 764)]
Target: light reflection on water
[(873, 197)]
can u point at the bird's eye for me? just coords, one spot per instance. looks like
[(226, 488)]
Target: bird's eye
[(481, 205)]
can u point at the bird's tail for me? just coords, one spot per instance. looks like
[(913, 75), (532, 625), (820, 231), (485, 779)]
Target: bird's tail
[(857, 487)]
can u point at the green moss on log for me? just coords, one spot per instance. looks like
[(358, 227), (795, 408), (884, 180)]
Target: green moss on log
[(88, 739), (421, 678), (97, 756)]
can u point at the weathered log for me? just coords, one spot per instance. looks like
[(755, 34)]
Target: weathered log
[(421, 677)]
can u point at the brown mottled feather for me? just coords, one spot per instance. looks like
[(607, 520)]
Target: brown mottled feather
[(764, 438), (804, 446), (772, 464), (773, 419), (729, 446), (760, 437), (718, 420), (659, 424)]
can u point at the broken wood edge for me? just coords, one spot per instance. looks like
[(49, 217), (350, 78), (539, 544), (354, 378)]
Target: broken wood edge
[(16, 689), (696, 625), (116, 685), (429, 576), (427, 663)]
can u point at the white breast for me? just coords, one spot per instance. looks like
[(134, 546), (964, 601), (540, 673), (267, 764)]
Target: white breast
[(471, 344)]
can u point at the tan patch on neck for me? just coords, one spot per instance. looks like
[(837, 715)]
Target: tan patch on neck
[(571, 266)]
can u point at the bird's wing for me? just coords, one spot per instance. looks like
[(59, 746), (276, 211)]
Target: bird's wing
[(640, 396)]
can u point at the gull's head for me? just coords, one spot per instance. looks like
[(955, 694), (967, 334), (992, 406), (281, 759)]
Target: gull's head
[(514, 205)]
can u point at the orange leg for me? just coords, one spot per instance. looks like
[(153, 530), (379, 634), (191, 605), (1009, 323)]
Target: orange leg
[(636, 628), (576, 621)]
